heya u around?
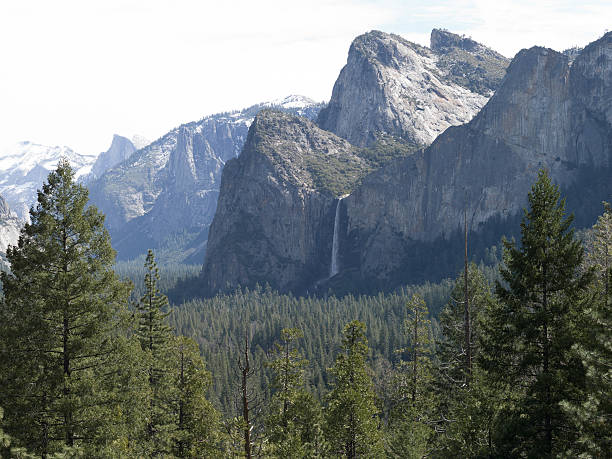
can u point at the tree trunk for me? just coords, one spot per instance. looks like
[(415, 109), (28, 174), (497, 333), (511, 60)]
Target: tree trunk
[(245, 400), (466, 315)]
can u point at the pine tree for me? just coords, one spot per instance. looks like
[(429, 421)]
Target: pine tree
[(352, 417), (198, 423), (156, 340), (5, 439), (465, 413), (61, 350), (293, 426), (409, 426), (593, 412), (599, 251), (529, 334), (450, 347)]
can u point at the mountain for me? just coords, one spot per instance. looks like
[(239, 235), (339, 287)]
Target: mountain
[(121, 149), (402, 223), (276, 199), (391, 86), (165, 195), (25, 166), (547, 114), (10, 227)]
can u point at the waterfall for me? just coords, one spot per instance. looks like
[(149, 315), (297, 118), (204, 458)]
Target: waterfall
[(333, 267)]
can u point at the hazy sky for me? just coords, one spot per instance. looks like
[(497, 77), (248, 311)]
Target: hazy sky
[(74, 72)]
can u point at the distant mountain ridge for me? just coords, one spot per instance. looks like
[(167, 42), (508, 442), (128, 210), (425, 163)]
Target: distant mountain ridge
[(271, 219), (165, 195), (25, 166), (120, 150)]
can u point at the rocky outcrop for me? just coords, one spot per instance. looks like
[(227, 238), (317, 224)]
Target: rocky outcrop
[(403, 222), (165, 195), (546, 115), (467, 62), (391, 86), (121, 149), (10, 228), (274, 220)]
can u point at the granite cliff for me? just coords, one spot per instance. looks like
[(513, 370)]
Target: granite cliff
[(274, 220), (10, 228), (406, 217), (391, 86), (120, 150), (546, 114), (164, 196)]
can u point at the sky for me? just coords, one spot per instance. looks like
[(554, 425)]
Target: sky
[(75, 72)]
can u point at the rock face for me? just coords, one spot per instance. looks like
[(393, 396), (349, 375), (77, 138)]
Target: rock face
[(467, 62), (10, 227), (391, 86), (403, 222), (546, 115), (121, 149), (165, 195), (274, 221), (25, 166)]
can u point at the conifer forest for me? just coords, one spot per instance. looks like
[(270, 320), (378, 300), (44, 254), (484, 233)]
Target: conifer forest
[(510, 361)]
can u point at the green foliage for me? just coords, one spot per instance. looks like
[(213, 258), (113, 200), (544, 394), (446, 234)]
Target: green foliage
[(528, 337), (341, 174), (466, 404), (81, 378), (294, 422), (173, 278), (593, 411), (352, 425), (386, 148), (198, 424), (480, 73), (153, 332), (409, 426), (156, 341), (60, 353), (180, 421), (215, 322), (338, 174)]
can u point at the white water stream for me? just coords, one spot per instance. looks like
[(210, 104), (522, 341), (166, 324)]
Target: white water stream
[(333, 266)]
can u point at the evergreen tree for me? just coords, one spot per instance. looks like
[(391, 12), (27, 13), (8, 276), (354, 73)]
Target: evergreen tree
[(465, 413), (593, 413), (5, 439), (530, 332), (352, 417), (409, 424), (153, 331), (293, 426), (62, 356), (599, 251), (450, 346), (198, 423), (156, 341)]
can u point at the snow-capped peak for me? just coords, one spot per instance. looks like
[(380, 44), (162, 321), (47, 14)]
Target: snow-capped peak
[(25, 156), (24, 168), (292, 101)]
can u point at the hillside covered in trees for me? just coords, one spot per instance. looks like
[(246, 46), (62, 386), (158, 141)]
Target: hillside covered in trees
[(508, 363)]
